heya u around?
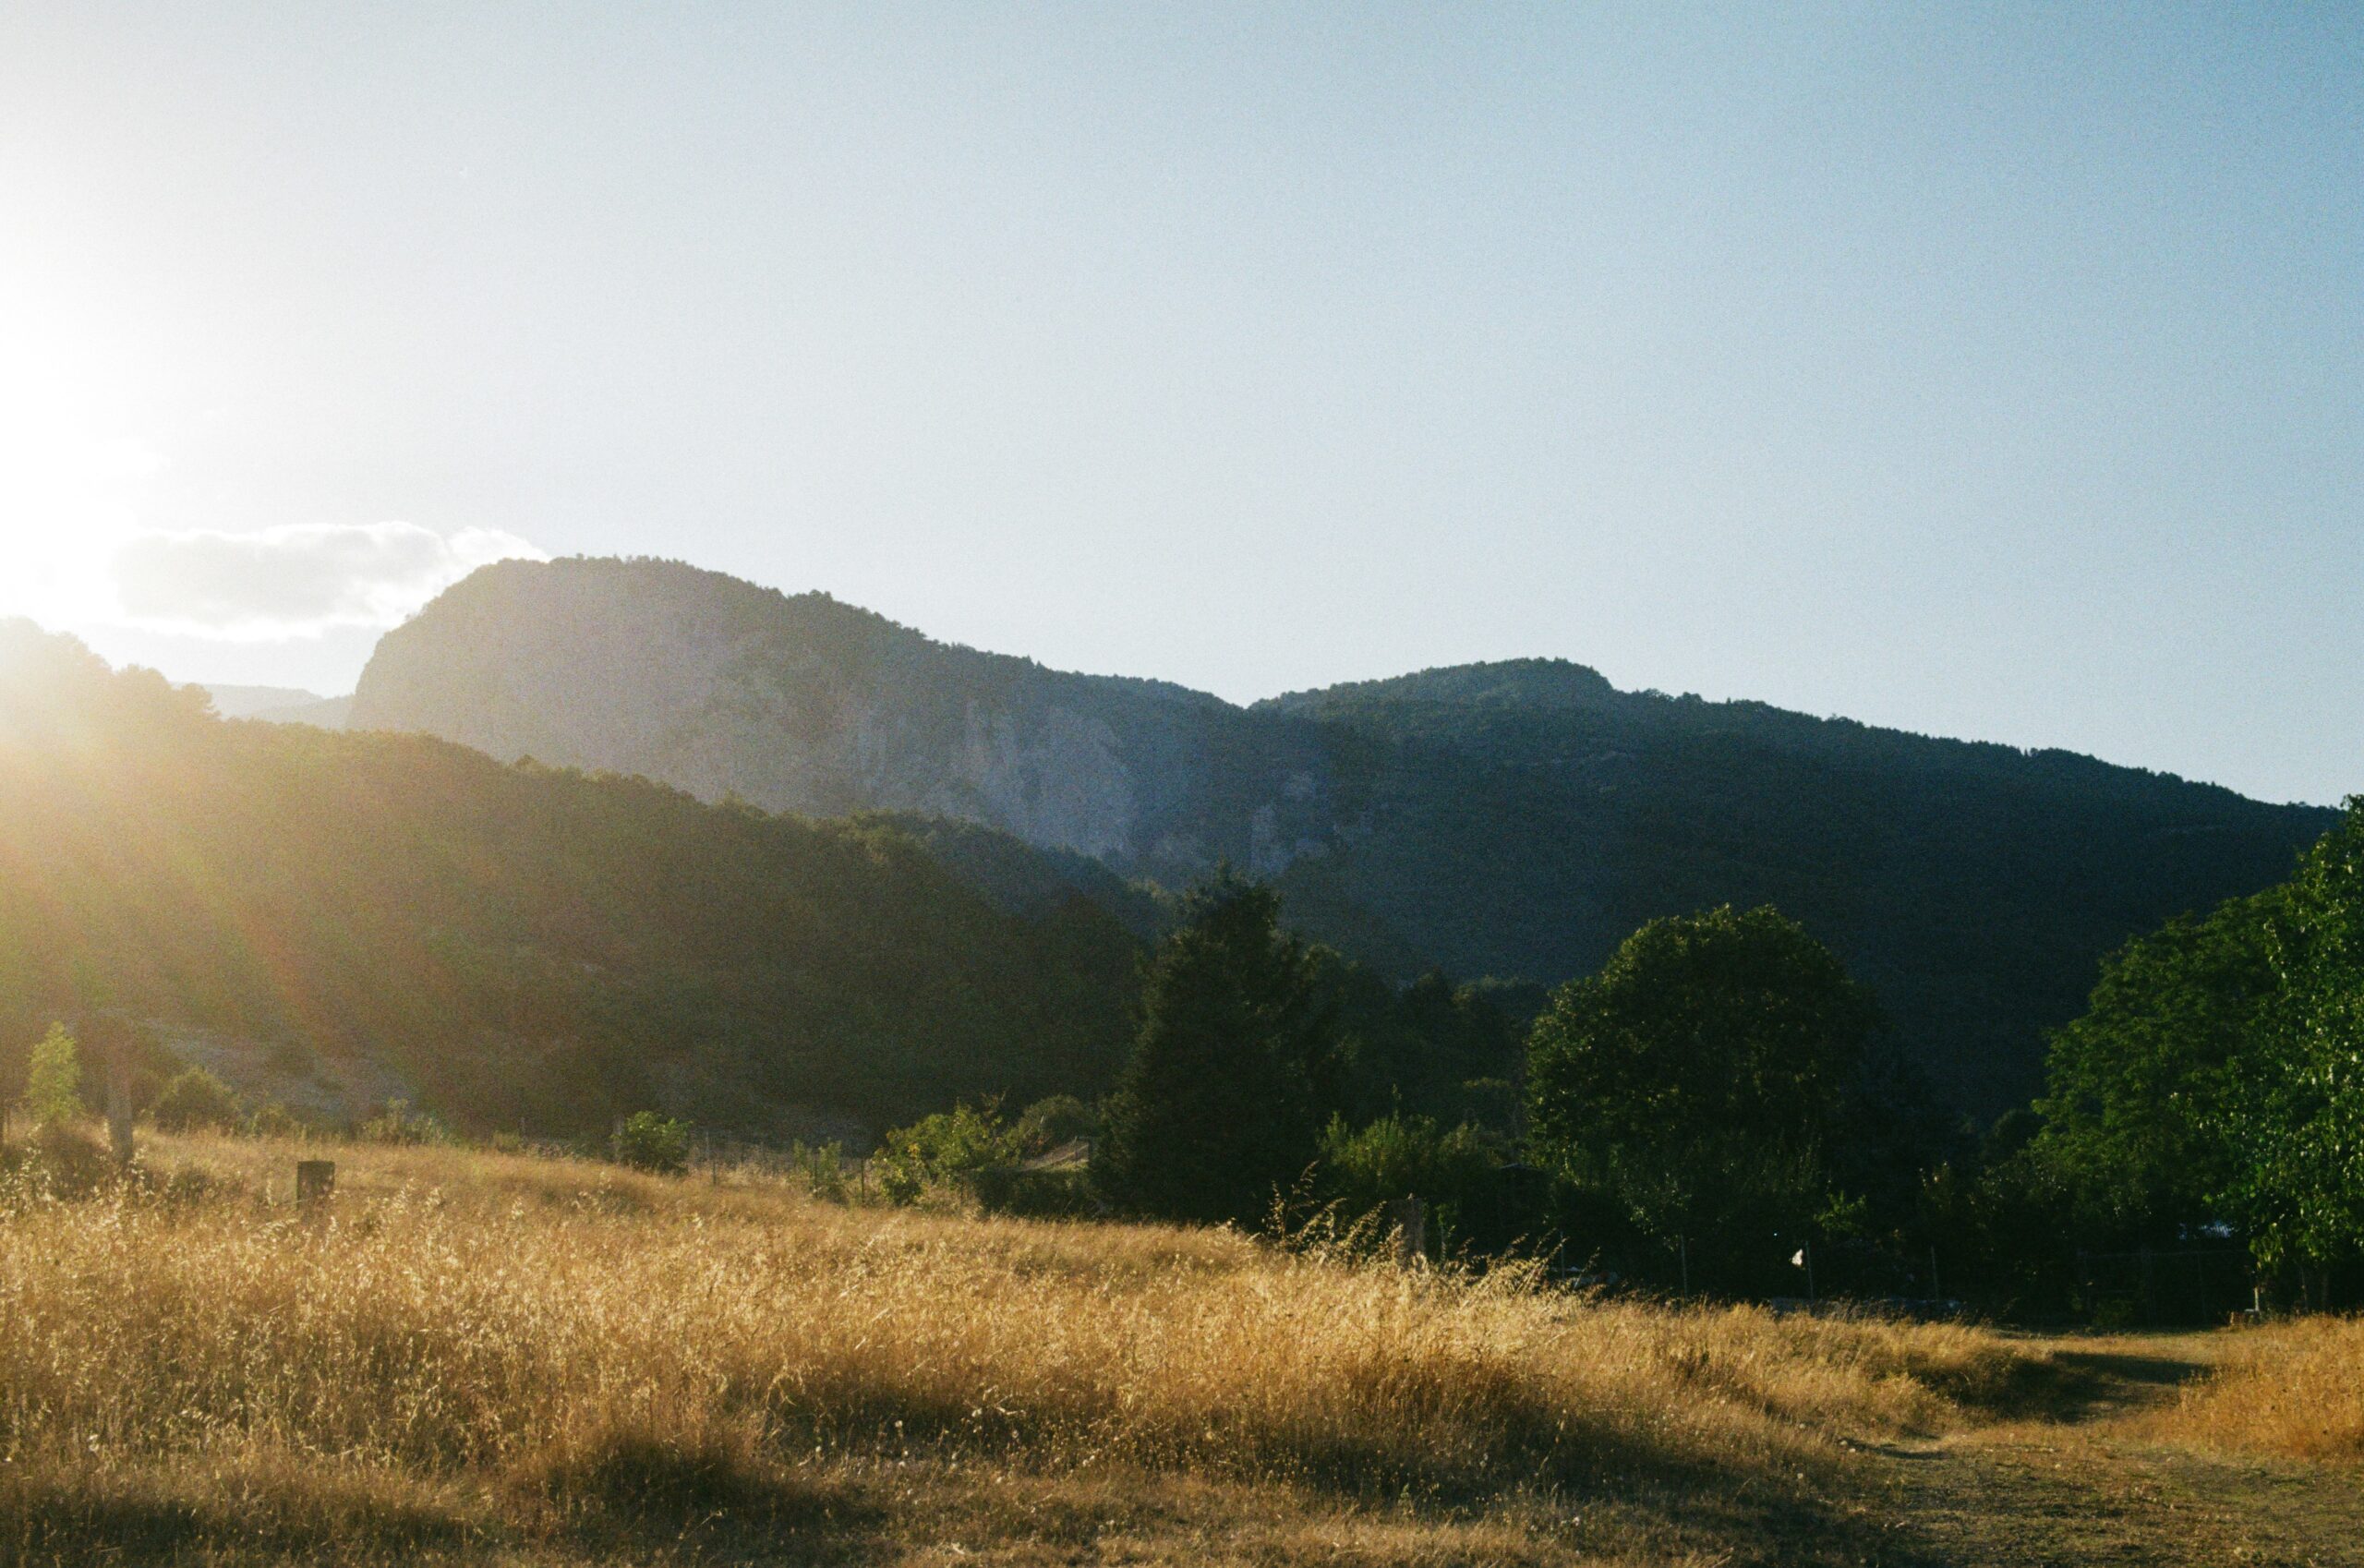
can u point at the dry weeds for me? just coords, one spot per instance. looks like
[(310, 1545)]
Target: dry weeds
[(501, 1358), (2294, 1389)]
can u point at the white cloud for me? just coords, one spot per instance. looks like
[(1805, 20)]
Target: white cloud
[(296, 581)]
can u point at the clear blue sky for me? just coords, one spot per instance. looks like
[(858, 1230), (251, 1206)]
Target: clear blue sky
[(1996, 372)]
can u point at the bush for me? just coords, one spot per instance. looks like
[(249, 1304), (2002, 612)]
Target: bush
[(821, 1169), (54, 1078), (1037, 1195), (650, 1141), (196, 1099), (68, 1162), (399, 1124), (1404, 1157), (272, 1119), (187, 1188), (1055, 1122), (947, 1148)]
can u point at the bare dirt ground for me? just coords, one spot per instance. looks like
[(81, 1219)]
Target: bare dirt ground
[(2085, 1484)]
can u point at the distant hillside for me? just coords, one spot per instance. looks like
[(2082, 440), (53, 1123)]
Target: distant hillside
[(326, 712), (280, 704), (1512, 819), (245, 702), (515, 944)]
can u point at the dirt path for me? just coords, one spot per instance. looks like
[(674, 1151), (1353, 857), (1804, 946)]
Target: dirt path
[(2083, 1486)]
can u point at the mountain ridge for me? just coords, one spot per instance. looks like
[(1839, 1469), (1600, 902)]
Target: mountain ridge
[(1516, 818)]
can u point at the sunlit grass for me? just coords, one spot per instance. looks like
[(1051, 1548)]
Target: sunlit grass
[(474, 1353), (2294, 1389)]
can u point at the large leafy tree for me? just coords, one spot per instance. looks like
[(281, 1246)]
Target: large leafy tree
[(2220, 1072), (1697, 1079), (1231, 1078), (2298, 1120), (2144, 1087)]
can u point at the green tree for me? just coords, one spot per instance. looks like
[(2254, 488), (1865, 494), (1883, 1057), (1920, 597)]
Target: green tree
[(2219, 1072), (2298, 1119), (2144, 1087), (53, 1077), (1231, 1073), (1696, 1079), (196, 1099)]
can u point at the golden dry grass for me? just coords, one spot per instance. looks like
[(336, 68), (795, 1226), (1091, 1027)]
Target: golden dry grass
[(495, 1357), (2294, 1389)]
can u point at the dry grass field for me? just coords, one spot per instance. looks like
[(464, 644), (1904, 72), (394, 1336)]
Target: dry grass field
[(475, 1357), (2294, 1389), (479, 1357)]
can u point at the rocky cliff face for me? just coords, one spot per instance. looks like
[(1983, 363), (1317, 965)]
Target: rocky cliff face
[(802, 703)]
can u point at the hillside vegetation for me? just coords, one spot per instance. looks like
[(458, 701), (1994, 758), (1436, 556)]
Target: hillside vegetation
[(1516, 820), (510, 943), (473, 1357), (1972, 887)]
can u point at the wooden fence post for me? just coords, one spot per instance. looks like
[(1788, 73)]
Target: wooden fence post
[(315, 1180)]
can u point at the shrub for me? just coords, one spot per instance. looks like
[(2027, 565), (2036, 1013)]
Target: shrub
[(821, 1169), (1454, 1172), (1403, 1157), (947, 1148), (272, 1119), (1040, 1195), (650, 1141), (397, 1123), (1059, 1120), (196, 1099), (54, 1078), (188, 1186), (69, 1162)]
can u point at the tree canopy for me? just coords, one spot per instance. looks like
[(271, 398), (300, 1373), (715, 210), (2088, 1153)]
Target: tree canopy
[(2135, 1118), (2219, 1075), (1233, 1074), (1696, 1080)]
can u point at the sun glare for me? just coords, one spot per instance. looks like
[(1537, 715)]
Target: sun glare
[(72, 469)]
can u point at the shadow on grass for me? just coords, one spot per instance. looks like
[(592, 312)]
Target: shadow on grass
[(2067, 1387), (51, 1514), (716, 1496), (2105, 1368), (628, 1507)]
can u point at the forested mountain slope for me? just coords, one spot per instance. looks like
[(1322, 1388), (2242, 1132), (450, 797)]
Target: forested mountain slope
[(514, 942), (1972, 886), (1515, 819)]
